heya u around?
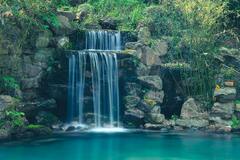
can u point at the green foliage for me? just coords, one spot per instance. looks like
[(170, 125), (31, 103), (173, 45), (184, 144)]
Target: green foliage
[(34, 126), (174, 117), (128, 12), (16, 118), (235, 122), (228, 73), (8, 84)]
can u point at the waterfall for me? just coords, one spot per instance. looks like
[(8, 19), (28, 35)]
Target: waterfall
[(76, 83), (104, 78), (103, 40)]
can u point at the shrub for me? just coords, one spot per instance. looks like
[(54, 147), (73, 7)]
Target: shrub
[(8, 84), (16, 118)]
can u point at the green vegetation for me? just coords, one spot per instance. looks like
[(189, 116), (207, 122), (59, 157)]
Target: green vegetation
[(16, 118), (235, 122), (8, 84), (34, 126)]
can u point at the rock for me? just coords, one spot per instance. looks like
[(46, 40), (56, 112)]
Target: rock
[(7, 102), (69, 14), (151, 126), (151, 81), (144, 35), (220, 121), (108, 23), (156, 110), (155, 118), (149, 57), (43, 39), (30, 83), (46, 118), (83, 11), (223, 110), (226, 94), (217, 128), (141, 70), (31, 109), (62, 42), (64, 27), (43, 56), (192, 123), (39, 130), (191, 110), (131, 101), (157, 96), (31, 70), (134, 116), (160, 47), (133, 89), (4, 134), (133, 45)]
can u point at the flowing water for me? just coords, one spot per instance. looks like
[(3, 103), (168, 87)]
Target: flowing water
[(104, 71), (126, 146)]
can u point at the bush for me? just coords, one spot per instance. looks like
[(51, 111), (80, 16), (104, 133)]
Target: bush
[(16, 118), (8, 84)]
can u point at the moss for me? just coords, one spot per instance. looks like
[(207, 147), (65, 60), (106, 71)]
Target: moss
[(150, 102), (35, 126)]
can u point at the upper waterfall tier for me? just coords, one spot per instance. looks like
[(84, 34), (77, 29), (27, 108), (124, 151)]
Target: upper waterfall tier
[(103, 40)]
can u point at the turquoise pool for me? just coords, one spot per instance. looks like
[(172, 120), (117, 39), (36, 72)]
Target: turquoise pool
[(125, 146)]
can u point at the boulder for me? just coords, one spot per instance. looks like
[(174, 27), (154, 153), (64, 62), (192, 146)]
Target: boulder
[(154, 82), (155, 118), (149, 57), (31, 70), (160, 47), (225, 94), (7, 102), (191, 110), (63, 42), (157, 96), (131, 101), (223, 110), (30, 83)]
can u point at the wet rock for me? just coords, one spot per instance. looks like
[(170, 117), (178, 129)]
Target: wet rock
[(134, 117), (32, 108), (223, 110), (151, 126), (156, 96), (4, 134), (219, 121), (226, 94), (192, 123), (131, 101), (155, 118), (151, 81), (46, 118)]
